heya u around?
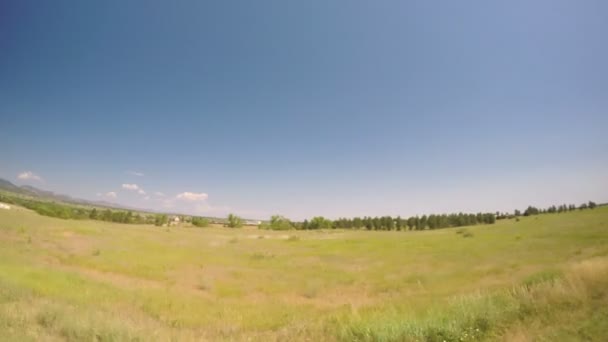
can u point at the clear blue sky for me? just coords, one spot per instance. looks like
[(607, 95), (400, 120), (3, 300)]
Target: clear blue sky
[(334, 108)]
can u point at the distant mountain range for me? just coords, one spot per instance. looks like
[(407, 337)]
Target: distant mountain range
[(31, 191)]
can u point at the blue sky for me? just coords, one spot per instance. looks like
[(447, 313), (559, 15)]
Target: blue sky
[(342, 108)]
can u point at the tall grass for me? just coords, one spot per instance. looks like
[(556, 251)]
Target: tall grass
[(490, 316)]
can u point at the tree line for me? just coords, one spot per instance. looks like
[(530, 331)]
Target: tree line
[(278, 222), (531, 210), (433, 221)]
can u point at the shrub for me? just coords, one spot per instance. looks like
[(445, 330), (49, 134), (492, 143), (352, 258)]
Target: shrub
[(200, 222)]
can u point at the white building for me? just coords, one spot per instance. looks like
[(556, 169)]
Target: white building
[(174, 220)]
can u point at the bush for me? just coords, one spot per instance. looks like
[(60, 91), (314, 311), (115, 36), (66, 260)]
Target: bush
[(200, 222)]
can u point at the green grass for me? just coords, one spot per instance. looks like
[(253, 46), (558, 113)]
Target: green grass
[(542, 278)]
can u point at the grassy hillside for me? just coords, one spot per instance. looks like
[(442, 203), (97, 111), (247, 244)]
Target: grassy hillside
[(541, 278)]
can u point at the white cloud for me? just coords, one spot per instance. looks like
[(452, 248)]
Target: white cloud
[(130, 186), (159, 194), (111, 194), (135, 173), (29, 175), (134, 187), (192, 196), (147, 198)]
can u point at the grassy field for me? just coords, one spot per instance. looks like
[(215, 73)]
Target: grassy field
[(541, 278)]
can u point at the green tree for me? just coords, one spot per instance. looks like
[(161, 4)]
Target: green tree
[(320, 222), (160, 220), (200, 222), (128, 218), (423, 222), (411, 223), (107, 215), (93, 214), (234, 221), (531, 211), (278, 222), (399, 223)]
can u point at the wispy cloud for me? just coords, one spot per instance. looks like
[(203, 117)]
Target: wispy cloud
[(130, 187), (29, 175), (135, 173), (192, 196), (159, 194)]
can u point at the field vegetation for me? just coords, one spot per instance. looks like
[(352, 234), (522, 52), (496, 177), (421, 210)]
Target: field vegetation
[(534, 278)]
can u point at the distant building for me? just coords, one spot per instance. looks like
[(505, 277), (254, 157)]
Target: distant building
[(174, 220)]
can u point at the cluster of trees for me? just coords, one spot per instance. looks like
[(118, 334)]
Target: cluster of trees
[(383, 223), (67, 211), (555, 209), (118, 216), (57, 210)]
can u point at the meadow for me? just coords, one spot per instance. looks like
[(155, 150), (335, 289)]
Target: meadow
[(538, 278)]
